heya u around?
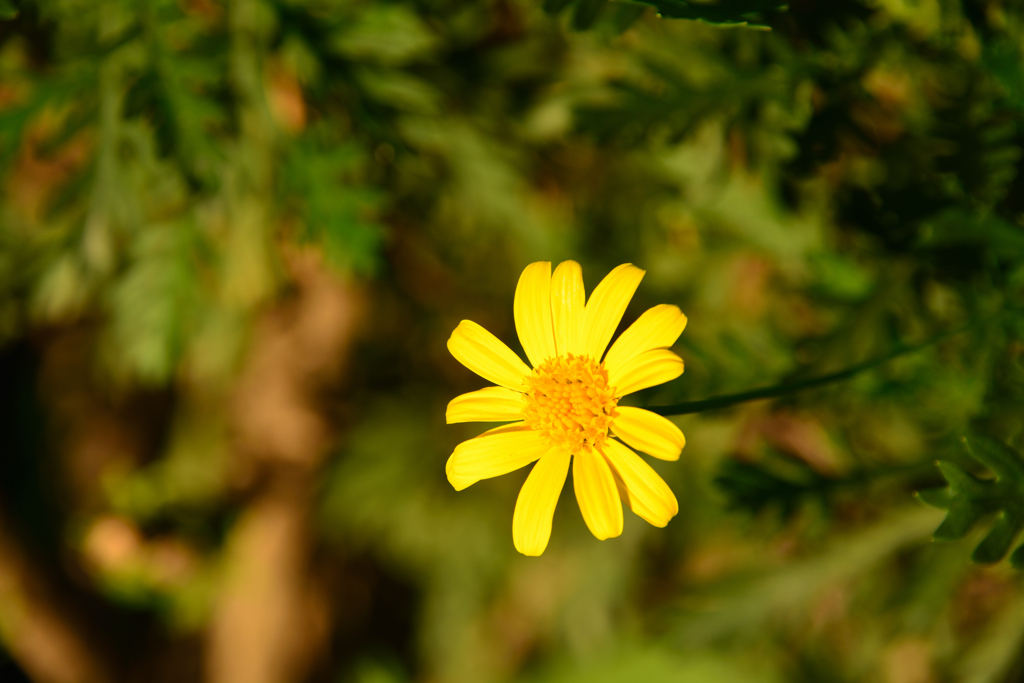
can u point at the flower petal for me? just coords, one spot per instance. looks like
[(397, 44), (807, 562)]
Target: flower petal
[(648, 494), (532, 309), (646, 370), (649, 432), (657, 328), (487, 356), (607, 304), (493, 404), (493, 453), (568, 303), (531, 523), (598, 495)]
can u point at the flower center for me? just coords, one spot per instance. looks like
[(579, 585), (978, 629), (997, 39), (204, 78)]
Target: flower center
[(569, 401)]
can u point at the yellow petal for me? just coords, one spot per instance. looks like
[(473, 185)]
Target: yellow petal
[(598, 495), (657, 328), (532, 309), (567, 307), (493, 453), (487, 356), (493, 404), (648, 494), (648, 432), (607, 304), (531, 523), (646, 370)]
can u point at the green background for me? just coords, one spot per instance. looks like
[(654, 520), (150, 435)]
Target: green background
[(235, 237)]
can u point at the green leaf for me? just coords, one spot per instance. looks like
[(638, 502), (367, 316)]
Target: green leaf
[(1017, 558), (839, 277), (150, 304), (997, 543), (1003, 60), (7, 10), (399, 89), (337, 209), (386, 35), (968, 499)]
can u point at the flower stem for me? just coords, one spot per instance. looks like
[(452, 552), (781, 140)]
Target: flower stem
[(774, 391)]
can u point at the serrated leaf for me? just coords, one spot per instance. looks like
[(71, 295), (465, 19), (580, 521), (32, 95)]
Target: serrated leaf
[(954, 527), (938, 498), (959, 479), (1017, 558), (998, 457), (997, 543), (968, 499)]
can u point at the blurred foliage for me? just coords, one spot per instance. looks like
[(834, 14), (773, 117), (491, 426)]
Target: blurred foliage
[(755, 487), (235, 235)]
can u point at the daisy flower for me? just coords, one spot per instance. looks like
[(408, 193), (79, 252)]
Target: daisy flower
[(566, 408)]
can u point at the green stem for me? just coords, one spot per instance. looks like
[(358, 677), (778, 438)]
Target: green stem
[(716, 402)]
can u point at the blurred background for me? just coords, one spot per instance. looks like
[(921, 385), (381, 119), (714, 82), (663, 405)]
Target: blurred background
[(235, 236)]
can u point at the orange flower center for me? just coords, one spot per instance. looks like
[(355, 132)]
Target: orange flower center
[(569, 401)]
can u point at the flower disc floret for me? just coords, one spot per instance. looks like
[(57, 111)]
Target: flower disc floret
[(569, 402)]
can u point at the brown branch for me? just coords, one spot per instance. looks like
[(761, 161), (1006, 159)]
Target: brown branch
[(270, 623), (38, 628)]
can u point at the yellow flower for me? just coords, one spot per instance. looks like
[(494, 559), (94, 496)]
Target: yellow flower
[(567, 405)]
